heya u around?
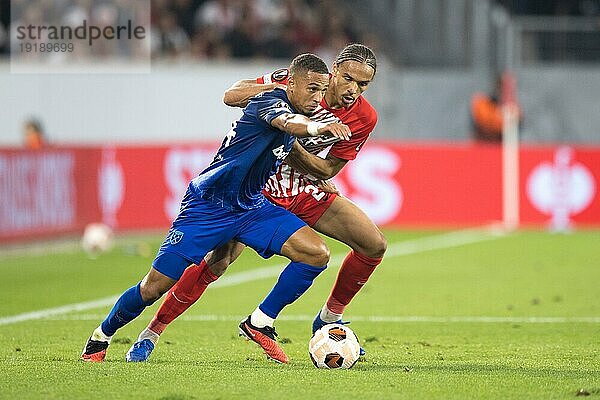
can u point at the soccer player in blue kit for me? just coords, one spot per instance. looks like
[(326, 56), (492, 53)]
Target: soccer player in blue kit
[(225, 202)]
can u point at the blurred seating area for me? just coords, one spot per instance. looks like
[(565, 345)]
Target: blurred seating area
[(207, 29), (557, 31), (192, 30), (225, 29), (576, 8), (4, 22)]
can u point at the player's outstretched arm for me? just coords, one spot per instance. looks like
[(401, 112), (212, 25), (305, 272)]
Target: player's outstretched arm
[(301, 126), (308, 163), (242, 91)]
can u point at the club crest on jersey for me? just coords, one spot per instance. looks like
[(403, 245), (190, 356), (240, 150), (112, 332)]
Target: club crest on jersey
[(174, 237), (280, 152)]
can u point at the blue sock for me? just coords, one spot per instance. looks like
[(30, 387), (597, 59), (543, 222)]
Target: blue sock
[(129, 306), (294, 280)]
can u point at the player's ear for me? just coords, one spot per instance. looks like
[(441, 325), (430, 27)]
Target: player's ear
[(291, 84), (334, 69)]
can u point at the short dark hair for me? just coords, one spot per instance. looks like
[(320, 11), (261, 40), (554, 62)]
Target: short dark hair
[(357, 52), (34, 124), (308, 63)]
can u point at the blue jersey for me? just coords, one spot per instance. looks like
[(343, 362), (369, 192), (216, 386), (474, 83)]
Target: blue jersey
[(250, 153)]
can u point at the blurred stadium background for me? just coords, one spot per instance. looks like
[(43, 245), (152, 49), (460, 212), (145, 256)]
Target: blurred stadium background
[(111, 135)]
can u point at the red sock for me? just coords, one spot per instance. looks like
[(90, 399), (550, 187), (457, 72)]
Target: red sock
[(353, 274), (186, 292)]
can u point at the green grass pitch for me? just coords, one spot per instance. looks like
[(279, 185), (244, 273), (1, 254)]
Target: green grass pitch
[(510, 317)]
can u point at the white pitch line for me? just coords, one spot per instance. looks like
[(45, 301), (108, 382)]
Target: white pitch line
[(48, 312), (408, 247), (370, 319), (414, 246)]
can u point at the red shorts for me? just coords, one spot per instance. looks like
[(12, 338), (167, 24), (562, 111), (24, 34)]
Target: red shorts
[(309, 207)]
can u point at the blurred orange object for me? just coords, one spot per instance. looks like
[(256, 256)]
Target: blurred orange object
[(487, 109), (486, 114), (34, 138)]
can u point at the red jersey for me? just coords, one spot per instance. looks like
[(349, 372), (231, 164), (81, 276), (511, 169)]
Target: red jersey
[(360, 117)]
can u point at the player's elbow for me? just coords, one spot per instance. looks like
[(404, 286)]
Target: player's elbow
[(230, 99)]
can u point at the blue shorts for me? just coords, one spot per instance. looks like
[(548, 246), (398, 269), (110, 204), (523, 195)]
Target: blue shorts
[(202, 226)]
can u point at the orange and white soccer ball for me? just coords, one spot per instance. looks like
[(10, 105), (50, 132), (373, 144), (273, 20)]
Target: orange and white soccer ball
[(334, 346)]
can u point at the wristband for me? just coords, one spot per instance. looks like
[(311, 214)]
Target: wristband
[(313, 128)]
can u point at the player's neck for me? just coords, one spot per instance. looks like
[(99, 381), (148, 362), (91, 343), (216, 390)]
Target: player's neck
[(331, 101)]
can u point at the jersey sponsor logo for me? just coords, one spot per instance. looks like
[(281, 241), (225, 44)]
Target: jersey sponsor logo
[(280, 152), (174, 237)]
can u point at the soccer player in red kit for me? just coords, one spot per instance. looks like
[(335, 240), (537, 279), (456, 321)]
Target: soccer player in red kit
[(293, 187)]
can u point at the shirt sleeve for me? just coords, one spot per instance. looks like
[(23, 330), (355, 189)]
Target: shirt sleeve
[(348, 149), (269, 108), (278, 76)]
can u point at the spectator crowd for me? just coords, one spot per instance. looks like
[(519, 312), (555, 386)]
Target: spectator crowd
[(578, 8), (251, 29), (209, 29)]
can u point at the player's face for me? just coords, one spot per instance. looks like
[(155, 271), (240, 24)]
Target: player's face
[(306, 90), (349, 80)]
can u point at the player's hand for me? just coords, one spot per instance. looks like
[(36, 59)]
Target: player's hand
[(336, 129), (327, 186)]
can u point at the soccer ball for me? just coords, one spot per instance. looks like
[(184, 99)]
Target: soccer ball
[(334, 346), (97, 238)]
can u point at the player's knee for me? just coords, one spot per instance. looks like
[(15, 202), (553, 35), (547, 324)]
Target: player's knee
[(379, 246), (151, 291), (318, 255), (374, 245), (149, 294)]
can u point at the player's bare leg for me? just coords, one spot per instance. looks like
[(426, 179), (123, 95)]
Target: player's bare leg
[(131, 303), (309, 256), (183, 294), (347, 223)]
